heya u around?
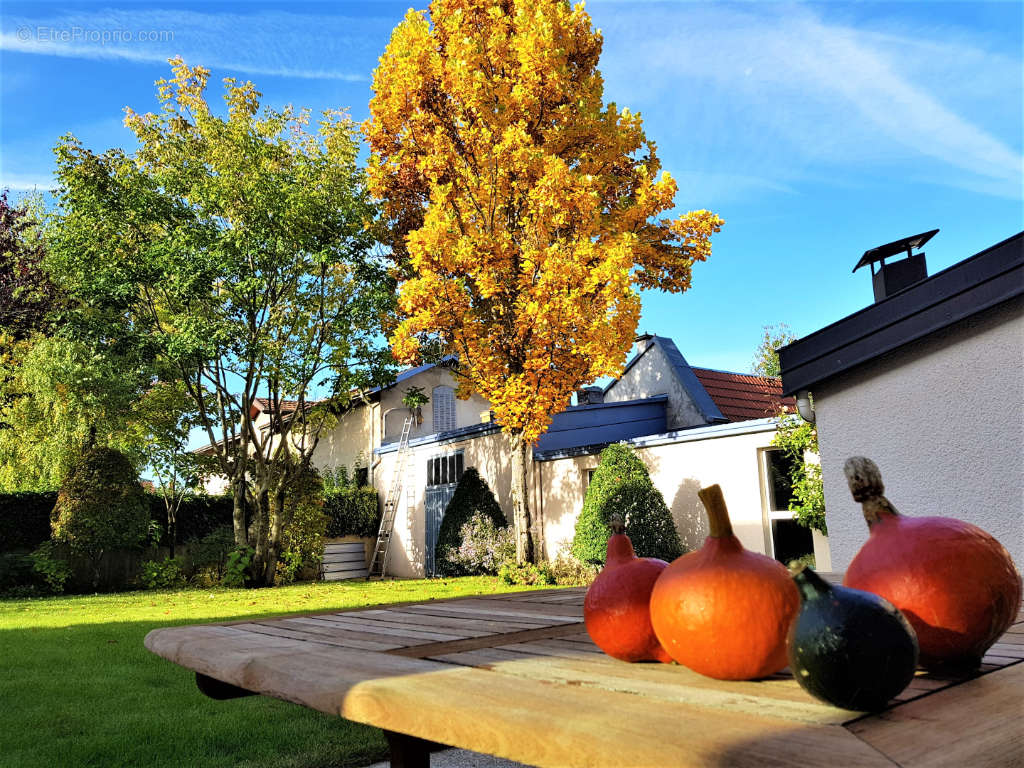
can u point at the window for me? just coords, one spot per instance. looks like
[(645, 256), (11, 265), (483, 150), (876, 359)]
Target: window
[(443, 399), (787, 538), (444, 470)]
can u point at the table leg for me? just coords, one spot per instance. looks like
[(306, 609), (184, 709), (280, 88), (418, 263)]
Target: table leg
[(409, 751), (218, 690)]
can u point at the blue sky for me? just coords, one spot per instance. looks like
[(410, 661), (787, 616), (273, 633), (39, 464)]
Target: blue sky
[(816, 130)]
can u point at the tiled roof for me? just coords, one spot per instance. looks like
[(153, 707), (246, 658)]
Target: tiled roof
[(742, 396)]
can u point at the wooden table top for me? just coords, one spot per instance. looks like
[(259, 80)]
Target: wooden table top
[(516, 675)]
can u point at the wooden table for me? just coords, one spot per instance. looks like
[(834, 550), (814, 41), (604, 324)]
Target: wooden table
[(516, 676)]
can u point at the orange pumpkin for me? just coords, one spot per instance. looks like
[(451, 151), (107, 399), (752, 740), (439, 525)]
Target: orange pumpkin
[(957, 585), (724, 611), (616, 610)]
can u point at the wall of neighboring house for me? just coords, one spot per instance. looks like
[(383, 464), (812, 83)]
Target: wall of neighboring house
[(680, 465), (488, 453), (467, 412), (653, 374), (944, 421), (349, 441)]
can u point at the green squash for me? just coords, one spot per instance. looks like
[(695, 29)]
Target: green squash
[(849, 648)]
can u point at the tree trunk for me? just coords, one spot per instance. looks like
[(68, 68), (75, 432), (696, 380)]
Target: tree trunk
[(520, 450), (273, 552), (238, 512), (261, 502)]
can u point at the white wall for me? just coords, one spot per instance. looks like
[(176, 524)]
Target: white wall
[(467, 412), (944, 421), (679, 469)]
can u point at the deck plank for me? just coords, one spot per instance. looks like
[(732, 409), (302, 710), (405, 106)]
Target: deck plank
[(975, 724)]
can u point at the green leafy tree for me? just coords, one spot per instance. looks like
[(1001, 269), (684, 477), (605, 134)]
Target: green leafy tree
[(101, 508), (799, 440), (473, 496), (161, 422), (69, 396), (621, 484), (766, 358), (236, 249)]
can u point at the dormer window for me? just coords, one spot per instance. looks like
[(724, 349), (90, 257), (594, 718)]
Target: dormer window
[(443, 399)]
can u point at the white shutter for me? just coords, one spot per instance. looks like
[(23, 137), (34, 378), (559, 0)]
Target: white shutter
[(443, 399)]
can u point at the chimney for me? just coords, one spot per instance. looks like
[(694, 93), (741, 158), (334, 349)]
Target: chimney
[(589, 396), (902, 273)]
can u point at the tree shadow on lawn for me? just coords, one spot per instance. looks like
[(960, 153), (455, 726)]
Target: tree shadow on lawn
[(92, 695)]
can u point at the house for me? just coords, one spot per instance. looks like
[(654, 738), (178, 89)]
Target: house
[(691, 426), (927, 382)]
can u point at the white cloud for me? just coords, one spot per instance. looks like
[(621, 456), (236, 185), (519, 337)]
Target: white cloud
[(781, 93), (270, 43), (27, 182)]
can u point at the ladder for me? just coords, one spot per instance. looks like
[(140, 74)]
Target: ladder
[(379, 563)]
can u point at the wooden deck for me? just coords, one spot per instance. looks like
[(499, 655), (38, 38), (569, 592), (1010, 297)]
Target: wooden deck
[(517, 676)]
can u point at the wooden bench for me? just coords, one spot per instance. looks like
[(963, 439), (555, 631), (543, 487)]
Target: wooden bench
[(516, 676)]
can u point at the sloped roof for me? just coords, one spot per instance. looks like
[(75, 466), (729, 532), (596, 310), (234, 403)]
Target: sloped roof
[(741, 396), (985, 280)]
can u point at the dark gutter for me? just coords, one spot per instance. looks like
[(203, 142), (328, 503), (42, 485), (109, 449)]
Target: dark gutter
[(987, 279)]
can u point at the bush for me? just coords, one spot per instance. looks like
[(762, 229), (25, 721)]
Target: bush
[(162, 574), (472, 497), (198, 515), (51, 565), (302, 537), (621, 484), (483, 548), (208, 556), (568, 571), (526, 573), (236, 569), (16, 576), (351, 511), (101, 507), (25, 519)]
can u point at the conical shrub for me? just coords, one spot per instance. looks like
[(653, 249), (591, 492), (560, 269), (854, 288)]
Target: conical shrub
[(622, 484), (101, 507), (472, 495)]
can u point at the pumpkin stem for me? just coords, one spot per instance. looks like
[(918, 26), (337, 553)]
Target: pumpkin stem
[(810, 584), (865, 481), (615, 523), (719, 525)]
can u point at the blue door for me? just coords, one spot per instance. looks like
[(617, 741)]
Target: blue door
[(435, 503)]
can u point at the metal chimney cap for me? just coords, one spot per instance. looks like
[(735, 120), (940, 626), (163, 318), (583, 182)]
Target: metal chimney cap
[(896, 247)]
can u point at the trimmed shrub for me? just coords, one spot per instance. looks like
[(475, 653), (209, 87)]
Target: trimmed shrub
[(621, 484), (472, 496), (351, 511), (25, 519), (483, 549), (101, 507)]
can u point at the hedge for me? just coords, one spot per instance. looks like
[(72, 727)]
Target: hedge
[(25, 517), (197, 516), (352, 511)]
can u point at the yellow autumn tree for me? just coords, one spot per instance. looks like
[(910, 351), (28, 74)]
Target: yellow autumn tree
[(521, 210)]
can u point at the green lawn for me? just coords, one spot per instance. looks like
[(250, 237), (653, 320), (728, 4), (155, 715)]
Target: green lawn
[(78, 688)]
